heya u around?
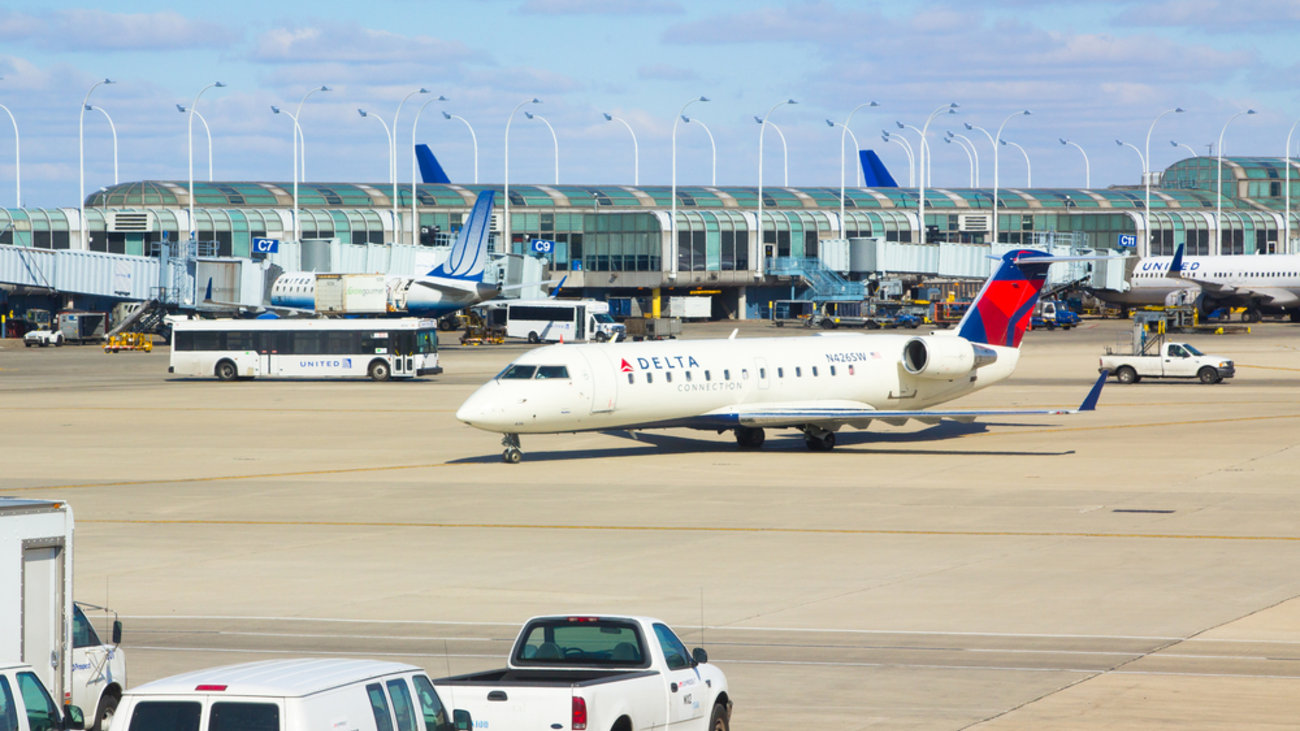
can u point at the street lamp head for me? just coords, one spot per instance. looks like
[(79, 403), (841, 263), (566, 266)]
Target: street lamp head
[(442, 98), (608, 117), (900, 125), (446, 115), (528, 114), (1063, 140), (325, 88), (362, 112), (686, 119), (220, 84), (88, 107), (1026, 112), (180, 108), (703, 99), (969, 125), (535, 101), (884, 133), (954, 105), (1250, 111), (1119, 142), (758, 119), (422, 90), (873, 104), (948, 140), (1178, 110), (275, 109), (109, 81), (884, 137), (830, 123), (1004, 142)]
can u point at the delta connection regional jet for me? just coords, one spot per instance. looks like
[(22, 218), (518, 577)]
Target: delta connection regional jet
[(816, 384)]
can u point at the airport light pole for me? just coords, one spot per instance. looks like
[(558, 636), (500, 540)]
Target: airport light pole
[(975, 153), (392, 167), (636, 152), (902, 142), (762, 127), (393, 145), (507, 233), (949, 139), (113, 128), (208, 130), (415, 223), (785, 149), (1218, 191), (1029, 171), (1087, 168), (554, 141), (1146, 214), (995, 141), (1146, 170), (473, 138), (18, 165), (81, 147), (299, 159), (672, 215), (713, 177), (921, 171), (844, 132), (189, 144), (1286, 218), (925, 165), (1175, 143), (302, 141)]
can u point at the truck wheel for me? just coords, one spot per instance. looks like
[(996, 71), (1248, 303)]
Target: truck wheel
[(226, 371), (718, 721), (601, 337), (378, 370), (104, 716), (28, 343), (1208, 375), (1126, 374)]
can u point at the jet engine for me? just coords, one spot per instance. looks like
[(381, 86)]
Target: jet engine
[(944, 358)]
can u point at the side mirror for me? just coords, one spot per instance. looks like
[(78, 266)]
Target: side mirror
[(700, 656), (462, 720), (117, 632), (73, 718)]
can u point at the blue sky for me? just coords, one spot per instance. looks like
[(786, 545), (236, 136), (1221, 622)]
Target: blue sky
[(1090, 71)]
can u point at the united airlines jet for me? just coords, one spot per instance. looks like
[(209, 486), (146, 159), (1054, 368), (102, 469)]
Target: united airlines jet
[(816, 384), (1261, 284)]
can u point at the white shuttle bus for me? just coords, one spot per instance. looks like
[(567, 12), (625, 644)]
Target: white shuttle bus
[(297, 348), (549, 321)]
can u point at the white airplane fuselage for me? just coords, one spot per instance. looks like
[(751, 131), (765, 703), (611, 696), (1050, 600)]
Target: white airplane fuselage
[(1269, 282), (679, 383)]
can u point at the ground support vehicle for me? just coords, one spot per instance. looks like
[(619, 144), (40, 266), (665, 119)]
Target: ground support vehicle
[(477, 331), (552, 320), (599, 673), (78, 327), (792, 312), (26, 704), (1156, 357), (291, 695), (1051, 314), (39, 623), (43, 338), (653, 328), (128, 341), (944, 314)]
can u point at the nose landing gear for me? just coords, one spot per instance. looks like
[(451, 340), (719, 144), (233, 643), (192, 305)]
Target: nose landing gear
[(513, 453)]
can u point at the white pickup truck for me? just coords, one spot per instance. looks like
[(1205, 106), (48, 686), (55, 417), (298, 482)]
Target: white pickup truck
[(598, 673), (1169, 360), (25, 704)]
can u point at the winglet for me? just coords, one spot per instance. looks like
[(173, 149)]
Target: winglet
[(1090, 401), (1176, 266), (556, 290)]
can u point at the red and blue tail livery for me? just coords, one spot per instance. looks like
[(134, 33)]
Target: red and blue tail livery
[(1000, 314)]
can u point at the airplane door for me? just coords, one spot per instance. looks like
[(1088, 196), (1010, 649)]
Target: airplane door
[(603, 386), (760, 365)]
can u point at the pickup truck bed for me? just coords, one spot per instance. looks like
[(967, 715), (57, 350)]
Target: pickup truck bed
[(557, 678)]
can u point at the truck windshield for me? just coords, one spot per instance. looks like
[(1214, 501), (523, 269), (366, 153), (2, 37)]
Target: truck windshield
[(603, 317), (569, 641), (1192, 350)]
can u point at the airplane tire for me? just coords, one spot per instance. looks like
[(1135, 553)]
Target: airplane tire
[(1126, 374), (378, 370), (1208, 375), (824, 443), (512, 456), (226, 370), (750, 437)]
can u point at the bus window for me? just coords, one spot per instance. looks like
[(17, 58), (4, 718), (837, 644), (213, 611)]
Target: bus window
[(518, 372)]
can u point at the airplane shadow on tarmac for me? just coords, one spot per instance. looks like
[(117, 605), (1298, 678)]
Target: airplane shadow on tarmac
[(784, 440)]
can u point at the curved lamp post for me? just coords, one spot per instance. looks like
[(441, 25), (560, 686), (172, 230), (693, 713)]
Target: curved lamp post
[(1218, 191), (81, 146), (18, 165), (1175, 143), (473, 138), (901, 141), (1087, 168), (113, 128), (206, 129), (762, 127), (969, 158), (636, 152), (1146, 171), (995, 141), (713, 146), (672, 216), (925, 165), (415, 215), (1286, 219), (975, 153), (508, 233), (554, 141), (1029, 171), (845, 131), (392, 169)]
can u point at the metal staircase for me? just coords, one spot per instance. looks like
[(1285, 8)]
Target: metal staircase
[(823, 283)]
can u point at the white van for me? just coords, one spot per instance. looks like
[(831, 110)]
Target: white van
[(551, 320), (291, 695)]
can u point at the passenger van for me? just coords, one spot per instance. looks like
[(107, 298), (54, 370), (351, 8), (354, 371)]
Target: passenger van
[(551, 320), (291, 695)]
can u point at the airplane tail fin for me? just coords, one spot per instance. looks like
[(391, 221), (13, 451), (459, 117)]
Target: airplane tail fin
[(1001, 313), (469, 253), (874, 172), (430, 170)]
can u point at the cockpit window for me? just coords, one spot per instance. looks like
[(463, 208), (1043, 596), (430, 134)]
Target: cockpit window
[(518, 372), (552, 372)]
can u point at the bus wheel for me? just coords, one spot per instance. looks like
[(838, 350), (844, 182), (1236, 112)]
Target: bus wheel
[(601, 337), (378, 370), (226, 370), (532, 338)]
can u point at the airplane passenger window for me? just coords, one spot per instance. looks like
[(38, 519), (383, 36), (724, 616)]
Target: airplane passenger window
[(552, 372), (726, 374), (707, 377), (744, 374), (518, 372), (850, 370), (832, 370), (688, 375), (762, 373), (780, 373), (649, 378), (798, 372), (668, 377), (630, 378), (814, 371)]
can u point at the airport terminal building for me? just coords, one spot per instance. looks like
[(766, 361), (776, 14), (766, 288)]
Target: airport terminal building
[(616, 239)]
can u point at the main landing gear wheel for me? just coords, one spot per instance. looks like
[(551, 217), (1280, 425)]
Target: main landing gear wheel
[(1250, 314), (819, 440), (749, 437), (513, 453)]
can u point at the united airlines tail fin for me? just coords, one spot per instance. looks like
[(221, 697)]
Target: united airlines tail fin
[(874, 172), (1000, 314), (469, 253), (430, 170)]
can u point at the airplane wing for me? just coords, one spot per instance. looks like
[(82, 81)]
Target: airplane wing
[(834, 414)]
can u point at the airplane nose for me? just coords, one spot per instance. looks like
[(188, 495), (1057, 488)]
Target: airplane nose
[(482, 411)]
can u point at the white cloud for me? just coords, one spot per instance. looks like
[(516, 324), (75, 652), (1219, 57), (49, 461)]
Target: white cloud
[(343, 44), (601, 7), (99, 30)]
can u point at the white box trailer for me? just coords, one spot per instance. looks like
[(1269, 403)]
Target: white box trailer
[(36, 593), (356, 294), (40, 625)]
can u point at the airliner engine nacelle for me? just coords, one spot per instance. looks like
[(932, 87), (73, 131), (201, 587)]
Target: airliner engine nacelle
[(944, 357)]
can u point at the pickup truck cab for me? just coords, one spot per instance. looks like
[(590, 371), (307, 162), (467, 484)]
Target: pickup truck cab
[(598, 673), (43, 338), (25, 704), (1170, 360)]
